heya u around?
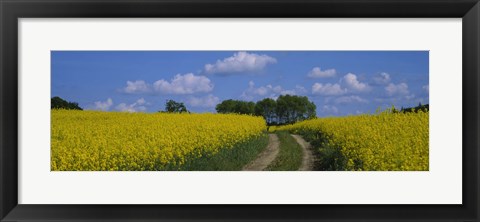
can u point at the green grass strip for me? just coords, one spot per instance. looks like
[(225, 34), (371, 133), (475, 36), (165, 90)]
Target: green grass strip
[(290, 156), (233, 159)]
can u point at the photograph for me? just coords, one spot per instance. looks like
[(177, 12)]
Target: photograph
[(239, 110)]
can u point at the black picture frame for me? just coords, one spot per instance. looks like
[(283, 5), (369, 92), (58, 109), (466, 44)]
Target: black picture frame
[(12, 10)]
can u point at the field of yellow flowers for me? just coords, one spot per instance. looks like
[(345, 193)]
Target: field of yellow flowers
[(100, 141), (384, 141)]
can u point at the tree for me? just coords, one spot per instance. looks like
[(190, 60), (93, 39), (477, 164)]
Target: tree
[(236, 106), (420, 107), (267, 108), (175, 107), (311, 112), (59, 103), (291, 109), (286, 109), (226, 106), (243, 107)]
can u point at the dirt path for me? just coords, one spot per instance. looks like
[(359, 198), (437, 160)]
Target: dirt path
[(307, 160), (265, 157)]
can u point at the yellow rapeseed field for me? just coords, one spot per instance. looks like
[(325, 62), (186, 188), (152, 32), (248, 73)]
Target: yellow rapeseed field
[(384, 141), (91, 140)]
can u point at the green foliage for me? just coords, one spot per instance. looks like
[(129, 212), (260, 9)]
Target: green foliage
[(286, 109), (232, 159), (291, 109), (59, 103), (266, 108), (290, 156), (420, 107), (236, 106), (175, 107), (329, 156)]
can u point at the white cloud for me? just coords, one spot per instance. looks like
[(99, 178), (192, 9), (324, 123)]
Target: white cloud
[(353, 84), (327, 89), (300, 89), (207, 101), (329, 109), (262, 91), (137, 106), (399, 89), (288, 92), (426, 88), (269, 91), (318, 73), (138, 86), (397, 93), (99, 105), (141, 101), (180, 85), (382, 78), (410, 97), (350, 99), (184, 84), (251, 84), (240, 62), (276, 89)]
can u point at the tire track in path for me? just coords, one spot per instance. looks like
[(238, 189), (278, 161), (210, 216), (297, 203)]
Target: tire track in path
[(265, 157), (308, 159)]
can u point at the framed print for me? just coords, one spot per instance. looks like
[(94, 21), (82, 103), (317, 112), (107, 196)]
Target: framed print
[(226, 110)]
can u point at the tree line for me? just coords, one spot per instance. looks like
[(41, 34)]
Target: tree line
[(59, 103), (286, 109), (420, 107), (416, 109), (170, 105)]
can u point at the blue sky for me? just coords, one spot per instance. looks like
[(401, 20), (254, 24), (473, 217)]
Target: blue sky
[(338, 82)]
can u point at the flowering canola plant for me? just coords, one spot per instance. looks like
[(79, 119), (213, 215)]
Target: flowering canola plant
[(384, 141), (100, 141)]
